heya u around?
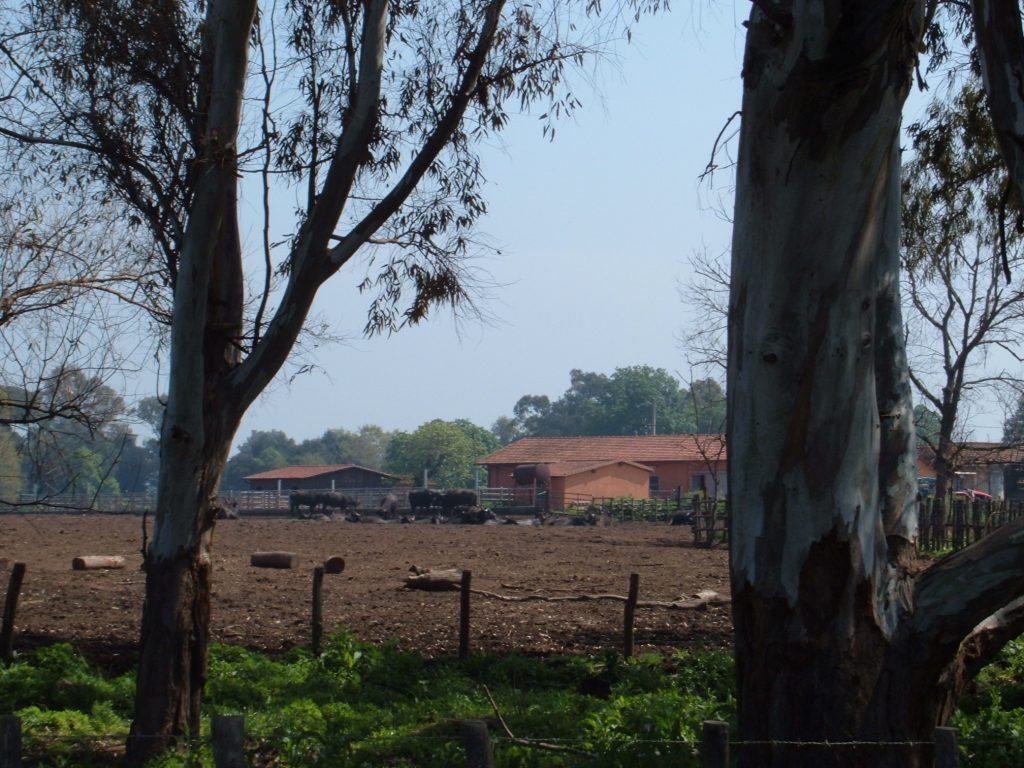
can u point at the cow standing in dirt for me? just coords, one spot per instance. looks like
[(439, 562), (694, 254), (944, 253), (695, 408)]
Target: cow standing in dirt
[(299, 499)]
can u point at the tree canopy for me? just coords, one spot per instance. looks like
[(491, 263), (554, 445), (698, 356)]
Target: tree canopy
[(633, 400), (443, 451)]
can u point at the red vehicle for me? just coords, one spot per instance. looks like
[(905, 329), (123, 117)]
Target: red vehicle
[(970, 493)]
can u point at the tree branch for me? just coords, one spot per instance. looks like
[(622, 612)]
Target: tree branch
[(962, 591)]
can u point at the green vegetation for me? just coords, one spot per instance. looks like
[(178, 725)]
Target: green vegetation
[(991, 716), (360, 705)]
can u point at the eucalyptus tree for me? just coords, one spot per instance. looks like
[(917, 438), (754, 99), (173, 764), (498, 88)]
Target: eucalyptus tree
[(967, 318), (371, 110), (840, 636)]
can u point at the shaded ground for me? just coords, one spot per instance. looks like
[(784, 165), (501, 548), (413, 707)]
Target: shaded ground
[(270, 609)]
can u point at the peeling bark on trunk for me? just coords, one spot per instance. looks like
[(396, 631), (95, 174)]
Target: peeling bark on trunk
[(817, 594), (838, 637)]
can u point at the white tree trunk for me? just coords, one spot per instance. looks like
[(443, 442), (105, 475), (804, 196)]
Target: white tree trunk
[(814, 304), (837, 638), (198, 426)]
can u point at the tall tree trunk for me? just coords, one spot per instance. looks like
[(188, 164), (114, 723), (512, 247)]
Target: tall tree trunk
[(818, 596), (838, 637), (202, 413)]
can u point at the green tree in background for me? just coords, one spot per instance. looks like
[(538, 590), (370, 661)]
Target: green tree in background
[(1013, 427), (61, 453), (445, 450), (634, 400), (926, 425), (261, 451), (366, 446)]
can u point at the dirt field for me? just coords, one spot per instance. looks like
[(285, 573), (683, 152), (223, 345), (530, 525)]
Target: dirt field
[(270, 609)]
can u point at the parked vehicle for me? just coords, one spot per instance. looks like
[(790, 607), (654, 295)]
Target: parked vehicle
[(972, 494)]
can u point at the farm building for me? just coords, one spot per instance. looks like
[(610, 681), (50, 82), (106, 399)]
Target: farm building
[(995, 468), (578, 468), (318, 477)]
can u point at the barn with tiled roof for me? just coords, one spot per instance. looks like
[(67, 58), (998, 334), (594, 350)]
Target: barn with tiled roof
[(574, 468), (317, 477)]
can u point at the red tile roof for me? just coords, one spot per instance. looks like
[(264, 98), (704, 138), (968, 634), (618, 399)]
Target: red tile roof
[(309, 470), (645, 449), (975, 453)]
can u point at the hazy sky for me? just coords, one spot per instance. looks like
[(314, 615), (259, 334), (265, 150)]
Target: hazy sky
[(594, 229)]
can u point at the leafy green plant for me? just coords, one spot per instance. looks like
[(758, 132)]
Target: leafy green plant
[(361, 706)]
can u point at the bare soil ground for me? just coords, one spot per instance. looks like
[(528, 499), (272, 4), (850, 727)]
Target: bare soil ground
[(270, 609)]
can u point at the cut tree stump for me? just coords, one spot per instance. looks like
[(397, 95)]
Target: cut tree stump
[(97, 562), (273, 560)]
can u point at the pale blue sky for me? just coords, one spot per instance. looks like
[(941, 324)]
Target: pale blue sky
[(594, 229)]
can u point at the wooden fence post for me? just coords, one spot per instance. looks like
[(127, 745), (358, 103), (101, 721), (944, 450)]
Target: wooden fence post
[(228, 733), (10, 604), (634, 591), (947, 752), (477, 742), (467, 577), (317, 630), (10, 741), (715, 744)]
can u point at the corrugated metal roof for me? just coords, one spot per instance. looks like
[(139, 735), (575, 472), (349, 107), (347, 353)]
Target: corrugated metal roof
[(644, 449), (307, 471)]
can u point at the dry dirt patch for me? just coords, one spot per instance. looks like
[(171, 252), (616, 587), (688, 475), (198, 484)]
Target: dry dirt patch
[(270, 609)]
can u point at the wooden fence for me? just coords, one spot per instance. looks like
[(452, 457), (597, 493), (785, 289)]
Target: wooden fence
[(961, 521)]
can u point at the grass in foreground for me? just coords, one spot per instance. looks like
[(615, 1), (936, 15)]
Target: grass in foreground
[(361, 705)]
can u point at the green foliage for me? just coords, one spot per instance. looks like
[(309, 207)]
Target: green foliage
[(1013, 427), (362, 705), (447, 450), (634, 400), (76, 448), (64, 680), (990, 717), (926, 425), (273, 449)]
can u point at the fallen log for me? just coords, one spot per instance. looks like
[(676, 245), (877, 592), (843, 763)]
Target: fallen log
[(334, 564), (97, 562), (273, 560), (701, 600), (448, 580)]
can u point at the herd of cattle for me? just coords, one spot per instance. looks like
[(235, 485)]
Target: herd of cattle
[(458, 505)]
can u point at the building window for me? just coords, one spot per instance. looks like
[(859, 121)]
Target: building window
[(655, 484), (698, 482)]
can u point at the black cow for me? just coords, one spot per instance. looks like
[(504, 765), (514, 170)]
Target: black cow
[(425, 499), (476, 516), (458, 500), (338, 501), (299, 499), (681, 518)]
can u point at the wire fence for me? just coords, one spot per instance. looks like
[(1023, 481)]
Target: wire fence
[(715, 747)]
